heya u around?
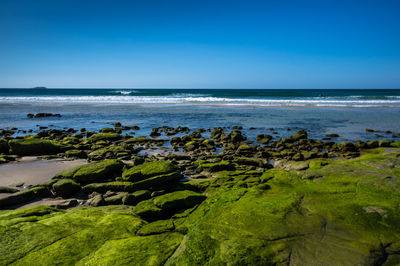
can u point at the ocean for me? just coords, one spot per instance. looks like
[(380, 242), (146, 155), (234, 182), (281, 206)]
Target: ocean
[(277, 112)]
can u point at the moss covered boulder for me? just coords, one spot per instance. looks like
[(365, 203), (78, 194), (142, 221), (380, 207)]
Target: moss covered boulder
[(109, 186), (178, 200), (76, 154), (215, 167), (136, 197), (66, 187), (82, 236), (36, 146), (166, 205), (4, 148), (24, 196), (93, 172), (106, 153), (105, 137), (148, 169)]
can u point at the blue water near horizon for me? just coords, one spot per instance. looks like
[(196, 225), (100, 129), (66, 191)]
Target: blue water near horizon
[(321, 112)]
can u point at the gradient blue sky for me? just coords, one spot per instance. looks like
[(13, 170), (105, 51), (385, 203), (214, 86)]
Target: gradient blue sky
[(200, 44)]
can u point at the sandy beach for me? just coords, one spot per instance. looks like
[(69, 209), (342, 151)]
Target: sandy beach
[(32, 171)]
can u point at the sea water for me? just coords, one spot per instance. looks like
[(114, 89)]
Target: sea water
[(276, 112)]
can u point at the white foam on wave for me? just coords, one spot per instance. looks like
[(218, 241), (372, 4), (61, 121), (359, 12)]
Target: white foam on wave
[(125, 92), (205, 100)]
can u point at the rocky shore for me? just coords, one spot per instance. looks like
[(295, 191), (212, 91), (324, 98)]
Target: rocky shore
[(205, 196)]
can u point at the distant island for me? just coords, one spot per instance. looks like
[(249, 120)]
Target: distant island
[(39, 88)]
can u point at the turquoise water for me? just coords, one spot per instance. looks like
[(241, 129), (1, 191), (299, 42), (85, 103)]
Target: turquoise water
[(346, 112)]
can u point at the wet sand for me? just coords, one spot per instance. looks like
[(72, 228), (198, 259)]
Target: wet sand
[(33, 171)]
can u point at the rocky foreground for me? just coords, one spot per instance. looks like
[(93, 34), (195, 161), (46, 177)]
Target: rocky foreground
[(205, 201)]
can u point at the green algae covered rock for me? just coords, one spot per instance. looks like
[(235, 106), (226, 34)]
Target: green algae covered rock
[(178, 200), (156, 227), (4, 148), (148, 211), (349, 215), (216, 167), (75, 154), (157, 181), (35, 146), (66, 187), (137, 196), (24, 196), (107, 152), (104, 136), (109, 186), (166, 205), (8, 189), (93, 172), (148, 169), (46, 236)]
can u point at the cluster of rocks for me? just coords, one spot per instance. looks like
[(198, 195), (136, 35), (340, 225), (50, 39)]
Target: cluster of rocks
[(194, 157), (41, 115)]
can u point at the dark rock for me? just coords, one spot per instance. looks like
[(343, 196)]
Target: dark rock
[(136, 197), (34, 146), (8, 190), (66, 187), (24, 196), (41, 115), (332, 135), (95, 201)]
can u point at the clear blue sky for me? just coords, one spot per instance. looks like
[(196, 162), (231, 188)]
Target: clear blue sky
[(200, 44)]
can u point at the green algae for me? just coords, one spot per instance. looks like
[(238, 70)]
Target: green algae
[(93, 172), (348, 214), (148, 169), (104, 136), (36, 146), (63, 237)]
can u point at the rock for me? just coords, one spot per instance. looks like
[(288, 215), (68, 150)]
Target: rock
[(302, 134), (114, 199), (368, 130), (24, 196), (97, 200), (148, 169), (136, 197), (66, 187), (191, 146), (157, 181), (8, 190), (291, 165), (245, 150), (4, 148), (93, 172), (332, 135), (216, 167), (107, 130), (311, 175), (109, 186), (76, 154), (109, 152), (104, 136), (117, 124), (41, 115), (178, 200), (156, 227), (34, 146), (148, 211), (62, 204), (263, 138)]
